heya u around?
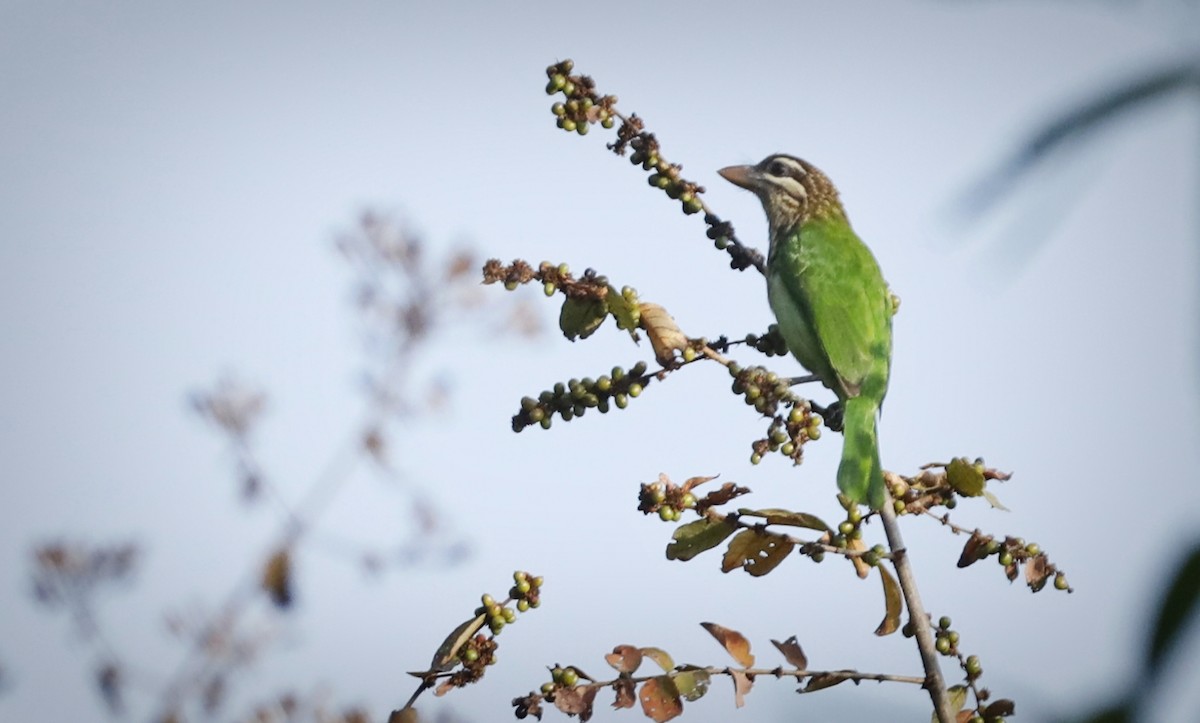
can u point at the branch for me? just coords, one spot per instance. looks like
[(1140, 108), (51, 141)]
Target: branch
[(934, 683)]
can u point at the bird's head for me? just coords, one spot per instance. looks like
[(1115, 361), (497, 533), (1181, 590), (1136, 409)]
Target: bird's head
[(792, 191)]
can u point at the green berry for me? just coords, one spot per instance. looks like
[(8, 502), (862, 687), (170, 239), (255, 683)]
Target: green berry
[(583, 128), (549, 288), (548, 688), (1060, 582), (846, 528), (557, 83), (1032, 549), (570, 677), (1005, 558), (813, 432), (788, 449), (568, 88), (607, 122), (688, 500), (569, 125), (621, 400), (563, 270), (942, 645), (666, 513), (974, 667), (635, 390), (523, 605), (945, 622), (755, 458), (692, 206)]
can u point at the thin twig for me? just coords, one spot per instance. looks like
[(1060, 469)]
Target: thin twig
[(934, 683)]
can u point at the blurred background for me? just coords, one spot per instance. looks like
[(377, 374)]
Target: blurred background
[(176, 178)]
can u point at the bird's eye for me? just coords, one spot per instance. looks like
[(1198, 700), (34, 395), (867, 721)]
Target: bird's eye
[(777, 168)]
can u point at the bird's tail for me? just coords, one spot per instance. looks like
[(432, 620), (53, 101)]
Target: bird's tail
[(860, 474)]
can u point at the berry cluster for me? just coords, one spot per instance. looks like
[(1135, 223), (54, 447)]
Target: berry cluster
[(526, 591), (1011, 554), (554, 277), (766, 391), (582, 106), (771, 343), (669, 500), (573, 398), (475, 656)]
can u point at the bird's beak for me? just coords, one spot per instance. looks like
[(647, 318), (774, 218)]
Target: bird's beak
[(739, 176)]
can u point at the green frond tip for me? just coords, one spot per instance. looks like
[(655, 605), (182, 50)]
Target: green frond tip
[(860, 474)]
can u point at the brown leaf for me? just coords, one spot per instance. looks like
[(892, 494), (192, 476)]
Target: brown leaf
[(665, 335), (1000, 708), (792, 652), (821, 681), (756, 552), (860, 567), (775, 516), (659, 656), (576, 701), (716, 498), (694, 482), (626, 694), (893, 601), (695, 537), (660, 699), (446, 656), (277, 578), (741, 687), (734, 643), (1037, 571), (624, 658), (973, 551)]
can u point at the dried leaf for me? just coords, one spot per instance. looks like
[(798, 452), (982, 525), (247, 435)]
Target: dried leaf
[(694, 482), (792, 652), (576, 701), (660, 699), (624, 658), (716, 498), (446, 656), (894, 602), (821, 681), (756, 552), (1037, 570), (696, 537), (665, 335), (580, 317), (775, 516), (659, 656), (1000, 708), (860, 565), (734, 643), (1178, 606), (973, 551), (277, 578), (741, 687), (692, 684), (965, 477), (626, 693)]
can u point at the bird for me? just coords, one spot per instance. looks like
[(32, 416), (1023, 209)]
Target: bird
[(833, 306)]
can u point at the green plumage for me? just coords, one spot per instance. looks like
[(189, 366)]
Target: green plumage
[(832, 304)]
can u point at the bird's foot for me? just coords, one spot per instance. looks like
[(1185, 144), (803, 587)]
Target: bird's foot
[(834, 415)]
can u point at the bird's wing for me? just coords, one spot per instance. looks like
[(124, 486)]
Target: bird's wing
[(838, 286)]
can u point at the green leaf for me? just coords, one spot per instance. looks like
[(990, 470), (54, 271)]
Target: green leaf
[(626, 314), (994, 501), (696, 537), (581, 317), (1178, 607), (965, 477), (958, 699), (692, 684), (660, 656), (893, 601), (775, 516)]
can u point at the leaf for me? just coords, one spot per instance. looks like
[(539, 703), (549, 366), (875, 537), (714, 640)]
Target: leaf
[(965, 477), (999, 708), (734, 643), (665, 335), (626, 314), (994, 501), (580, 317), (577, 700), (775, 516), (659, 656), (792, 652), (756, 552), (694, 482), (660, 699), (692, 684), (975, 549), (447, 653), (1178, 606), (1037, 571), (821, 681), (958, 698), (626, 693), (696, 537), (741, 687), (893, 601), (860, 566), (624, 658)]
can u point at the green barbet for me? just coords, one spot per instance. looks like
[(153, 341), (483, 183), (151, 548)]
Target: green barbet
[(833, 306)]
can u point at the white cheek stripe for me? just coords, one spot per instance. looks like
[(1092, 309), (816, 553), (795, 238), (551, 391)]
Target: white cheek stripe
[(792, 164), (791, 186)]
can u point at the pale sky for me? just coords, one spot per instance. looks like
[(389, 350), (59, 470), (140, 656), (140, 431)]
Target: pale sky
[(173, 179)]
